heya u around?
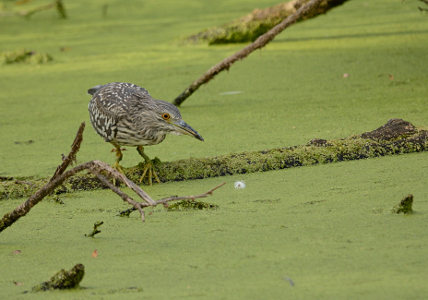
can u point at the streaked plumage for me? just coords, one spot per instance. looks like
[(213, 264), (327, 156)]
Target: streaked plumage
[(125, 114)]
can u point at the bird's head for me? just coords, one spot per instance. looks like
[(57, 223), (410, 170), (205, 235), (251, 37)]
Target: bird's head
[(168, 119)]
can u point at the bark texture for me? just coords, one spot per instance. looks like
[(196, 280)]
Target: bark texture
[(395, 137), (260, 42)]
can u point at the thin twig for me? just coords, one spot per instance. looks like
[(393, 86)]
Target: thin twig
[(241, 54), (71, 157), (121, 194), (174, 198), (99, 165), (97, 168)]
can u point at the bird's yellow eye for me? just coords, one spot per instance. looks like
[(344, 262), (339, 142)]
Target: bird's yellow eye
[(166, 116)]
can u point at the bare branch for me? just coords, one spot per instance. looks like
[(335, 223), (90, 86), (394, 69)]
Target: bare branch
[(99, 165), (72, 155), (124, 196), (175, 198), (10, 218), (257, 44), (97, 168)]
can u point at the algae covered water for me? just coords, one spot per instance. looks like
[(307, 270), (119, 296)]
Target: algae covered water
[(329, 229), (312, 232)]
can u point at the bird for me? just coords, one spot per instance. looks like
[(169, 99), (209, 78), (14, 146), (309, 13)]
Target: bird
[(125, 114)]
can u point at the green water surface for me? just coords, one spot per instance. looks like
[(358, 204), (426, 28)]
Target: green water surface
[(320, 232)]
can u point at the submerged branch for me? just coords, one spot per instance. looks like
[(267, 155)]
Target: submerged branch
[(165, 201), (63, 280), (395, 137)]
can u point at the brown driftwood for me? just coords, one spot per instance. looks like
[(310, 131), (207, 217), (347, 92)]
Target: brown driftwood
[(257, 44), (98, 168)]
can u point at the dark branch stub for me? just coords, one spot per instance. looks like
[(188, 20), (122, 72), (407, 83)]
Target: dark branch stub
[(405, 206), (95, 229), (393, 129)]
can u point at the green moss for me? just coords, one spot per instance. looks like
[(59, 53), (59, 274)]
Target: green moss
[(190, 204), (253, 25), (24, 56), (239, 33), (63, 279), (17, 188), (351, 148), (405, 206)]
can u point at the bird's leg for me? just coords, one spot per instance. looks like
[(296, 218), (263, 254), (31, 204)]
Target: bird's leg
[(148, 167), (119, 156)]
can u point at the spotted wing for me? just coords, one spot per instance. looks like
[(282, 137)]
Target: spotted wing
[(112, 103)]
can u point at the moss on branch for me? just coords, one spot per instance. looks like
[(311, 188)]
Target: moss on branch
[(395, 137), (249, 27), (63, 279)]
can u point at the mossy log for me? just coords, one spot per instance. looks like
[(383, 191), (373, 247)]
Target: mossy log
[(63, 279), (395, 137), (248, 28)]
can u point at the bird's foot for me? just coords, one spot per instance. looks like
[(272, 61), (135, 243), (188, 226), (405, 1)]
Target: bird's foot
[(149, 173), (119, 168)]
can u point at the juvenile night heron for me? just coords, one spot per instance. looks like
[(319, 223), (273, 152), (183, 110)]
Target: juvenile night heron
[(125, 114)]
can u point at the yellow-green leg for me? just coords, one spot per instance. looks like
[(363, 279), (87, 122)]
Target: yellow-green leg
[(119, 157), (148, 167)]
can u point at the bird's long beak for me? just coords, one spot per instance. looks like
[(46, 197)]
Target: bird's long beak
[(185, 128)]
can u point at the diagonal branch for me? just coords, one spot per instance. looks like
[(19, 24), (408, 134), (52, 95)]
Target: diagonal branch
[(257, 44), (121, 194), (98, 168), (99, 165), (71, 157), (10, 218)]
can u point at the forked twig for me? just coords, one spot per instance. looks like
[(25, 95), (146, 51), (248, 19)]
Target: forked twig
[(98, 168), (176, 198), (172, 198)]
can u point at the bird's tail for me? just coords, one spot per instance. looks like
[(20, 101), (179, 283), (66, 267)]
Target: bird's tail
[(94, 89)]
